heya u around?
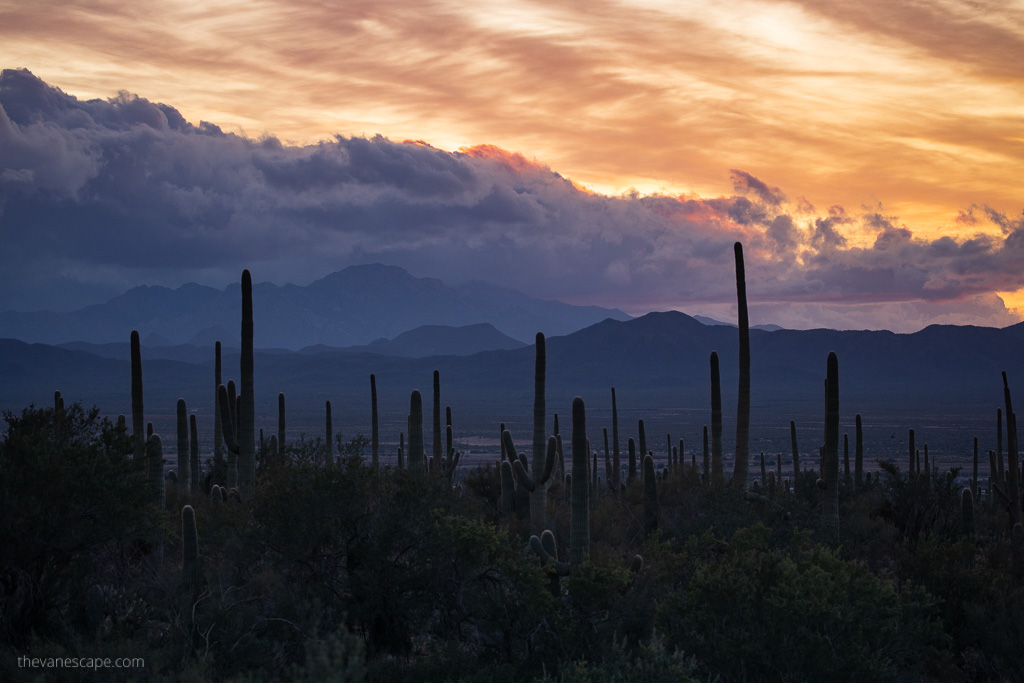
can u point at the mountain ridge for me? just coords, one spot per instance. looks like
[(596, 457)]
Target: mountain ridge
[(356, 305)]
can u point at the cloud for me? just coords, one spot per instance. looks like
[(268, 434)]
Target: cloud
[(119, 192), (744, 182)]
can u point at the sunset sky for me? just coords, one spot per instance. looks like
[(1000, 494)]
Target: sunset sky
[(869, 154)]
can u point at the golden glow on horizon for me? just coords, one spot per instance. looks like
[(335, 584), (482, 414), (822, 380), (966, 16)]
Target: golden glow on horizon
[(914, 107)]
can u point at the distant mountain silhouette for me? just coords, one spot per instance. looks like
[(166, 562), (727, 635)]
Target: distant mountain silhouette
[(357, 305), (441, 340), (658, 364), (711, 321)]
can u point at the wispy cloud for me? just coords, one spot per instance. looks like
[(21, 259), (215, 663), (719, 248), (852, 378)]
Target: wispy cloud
[(111, 193), (916, 105)]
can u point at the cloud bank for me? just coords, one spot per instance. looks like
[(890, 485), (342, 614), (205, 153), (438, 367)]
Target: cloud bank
[(100, 195)]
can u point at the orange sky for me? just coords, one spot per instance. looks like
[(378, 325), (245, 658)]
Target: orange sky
[(916, 108)]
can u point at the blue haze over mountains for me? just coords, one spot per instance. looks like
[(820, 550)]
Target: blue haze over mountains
[(355, 306), (944, 380)]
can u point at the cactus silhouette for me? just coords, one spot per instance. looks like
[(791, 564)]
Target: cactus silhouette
[(246, 404), (138, 414), (544, 449), (184, 461), (642, 443), (830, 455), (1012, 472), (717, 474), (579, 530), (228, 430), (739, 473)]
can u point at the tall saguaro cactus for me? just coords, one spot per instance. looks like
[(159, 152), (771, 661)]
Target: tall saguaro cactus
[(138, 414), (247, 404), (717, 474), (739, 473), (184, 461), (542, 475), (830, 462), (1012, 472), (579, 531)]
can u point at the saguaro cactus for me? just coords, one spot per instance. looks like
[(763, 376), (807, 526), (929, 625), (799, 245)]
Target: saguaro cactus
[(184, 462), (138, 414), (717, 474), (246, 404), (739, 473), (830, 460), (642, 438), (579, 532), (228, 431), (541, 461), (1012, 472)]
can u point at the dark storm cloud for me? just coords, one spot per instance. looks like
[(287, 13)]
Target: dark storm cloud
[(113, 193)]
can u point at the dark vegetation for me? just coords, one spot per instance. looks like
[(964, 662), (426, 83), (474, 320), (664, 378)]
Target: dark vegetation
[(280, 558)]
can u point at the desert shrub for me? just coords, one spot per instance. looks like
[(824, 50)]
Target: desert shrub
[(754, 611), (75, 518)]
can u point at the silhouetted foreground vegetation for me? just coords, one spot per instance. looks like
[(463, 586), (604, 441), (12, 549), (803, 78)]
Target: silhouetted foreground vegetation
[(341, 572), (280, 559)]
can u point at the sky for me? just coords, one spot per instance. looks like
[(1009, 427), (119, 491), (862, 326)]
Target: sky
[(867, 154)]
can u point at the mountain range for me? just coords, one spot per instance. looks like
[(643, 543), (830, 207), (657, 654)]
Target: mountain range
[(355, 306), (943, 380)]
